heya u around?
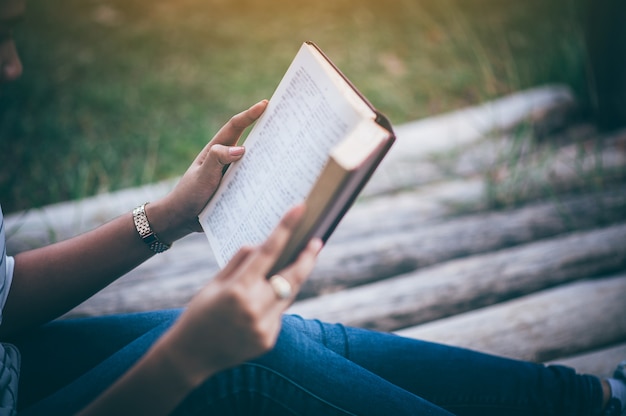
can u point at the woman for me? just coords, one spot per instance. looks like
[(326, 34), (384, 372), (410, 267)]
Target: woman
[(231, 351)]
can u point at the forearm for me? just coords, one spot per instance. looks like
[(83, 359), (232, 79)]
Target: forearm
[(58, 277), (154, 386)]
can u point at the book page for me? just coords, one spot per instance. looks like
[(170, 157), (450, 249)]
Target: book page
[(285, 153)]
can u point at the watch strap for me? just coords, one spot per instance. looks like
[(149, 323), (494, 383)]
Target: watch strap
[(142, 225)]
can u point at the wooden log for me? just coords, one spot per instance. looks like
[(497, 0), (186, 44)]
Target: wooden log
[(412, 209), (582, 166), (168, 280), (578, 317), (391, 251), (588, 166), (39, 227), (464, 284), (185, 268), (516, 163), (443, 132), (173, 277)]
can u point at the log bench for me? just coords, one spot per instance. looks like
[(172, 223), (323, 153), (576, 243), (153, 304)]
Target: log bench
[(500, 227)]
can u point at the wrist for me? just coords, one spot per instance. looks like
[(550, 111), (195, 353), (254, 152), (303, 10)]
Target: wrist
[(154, 385), (184, 371), (167, 224), (145, 231)]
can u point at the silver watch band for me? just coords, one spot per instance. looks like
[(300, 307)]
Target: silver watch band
[(145, 231)]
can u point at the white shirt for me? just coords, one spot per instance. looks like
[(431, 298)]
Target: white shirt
[(6, 267), (9, 355)]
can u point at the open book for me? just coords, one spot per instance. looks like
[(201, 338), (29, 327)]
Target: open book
[(319, 141)]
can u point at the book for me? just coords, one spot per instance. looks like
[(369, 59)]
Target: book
[(319, 140)]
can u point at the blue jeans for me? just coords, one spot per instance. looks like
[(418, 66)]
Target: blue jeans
[(315, 368)]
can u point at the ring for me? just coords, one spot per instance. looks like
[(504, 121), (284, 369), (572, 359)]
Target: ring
[(281, 286)]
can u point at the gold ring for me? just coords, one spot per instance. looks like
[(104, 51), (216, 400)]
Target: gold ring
[(281, 286)]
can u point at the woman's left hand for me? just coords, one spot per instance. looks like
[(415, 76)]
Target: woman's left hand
[(176, 215)]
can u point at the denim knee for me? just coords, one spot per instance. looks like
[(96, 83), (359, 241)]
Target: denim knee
[(332, 336)]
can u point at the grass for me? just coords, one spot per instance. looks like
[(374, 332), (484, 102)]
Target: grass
[(578, 159), (118, 93)]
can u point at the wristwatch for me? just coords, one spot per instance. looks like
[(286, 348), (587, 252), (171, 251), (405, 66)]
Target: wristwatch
[(145, 231)]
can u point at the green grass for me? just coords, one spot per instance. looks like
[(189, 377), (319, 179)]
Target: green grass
[(119, 93)]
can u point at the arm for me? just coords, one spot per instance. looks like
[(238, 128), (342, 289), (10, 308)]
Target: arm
[(232, 319), (58, 277)]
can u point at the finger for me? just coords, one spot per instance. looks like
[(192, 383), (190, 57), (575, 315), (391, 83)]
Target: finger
[(267, 253), (299, 270), (235, 262), (296, 273), (230, 133)]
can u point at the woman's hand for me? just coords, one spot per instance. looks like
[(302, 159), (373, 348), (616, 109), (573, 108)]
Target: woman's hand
[(237, 316), (176, 215), (234, 318)]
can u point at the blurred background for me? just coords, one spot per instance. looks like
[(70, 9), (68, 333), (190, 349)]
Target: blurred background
[(118, 93)]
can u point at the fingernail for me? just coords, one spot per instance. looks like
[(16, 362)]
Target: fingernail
[(236, 150), (316, 245)]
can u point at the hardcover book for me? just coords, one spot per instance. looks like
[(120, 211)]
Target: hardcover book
[(318, 141)]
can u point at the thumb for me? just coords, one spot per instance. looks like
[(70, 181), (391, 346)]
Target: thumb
[(220, 156)]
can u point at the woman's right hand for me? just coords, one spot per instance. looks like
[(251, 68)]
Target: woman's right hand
[(237, 316), (234, 318)]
